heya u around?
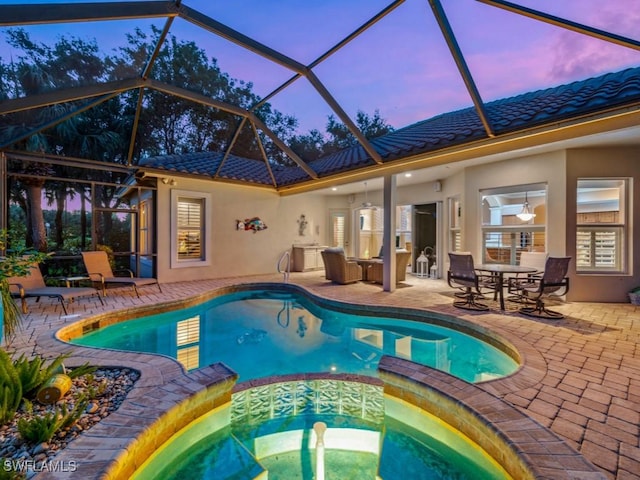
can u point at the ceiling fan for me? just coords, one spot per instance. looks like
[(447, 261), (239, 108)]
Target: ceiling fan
[(367, 204)]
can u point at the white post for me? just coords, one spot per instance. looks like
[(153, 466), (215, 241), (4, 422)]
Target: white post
[(319, 428), (389, 234)]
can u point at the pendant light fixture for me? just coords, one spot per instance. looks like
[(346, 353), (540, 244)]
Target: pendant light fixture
[(367, 204), (525, 215)]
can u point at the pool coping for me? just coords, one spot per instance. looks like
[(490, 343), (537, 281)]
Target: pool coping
[(526, 449), (165, 388)]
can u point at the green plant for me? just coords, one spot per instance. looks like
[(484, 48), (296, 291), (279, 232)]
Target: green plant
[(9, 470), (84, 369), (43, 428), (10, 388), (109, 250), (13, 263), (33, 373), (39, 429), (94, 392), (68, 418)]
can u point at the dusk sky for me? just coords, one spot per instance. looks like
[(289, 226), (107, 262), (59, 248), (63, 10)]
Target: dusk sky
[(401, 66)]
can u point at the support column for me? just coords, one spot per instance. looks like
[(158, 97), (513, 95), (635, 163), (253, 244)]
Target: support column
[(389, 234)]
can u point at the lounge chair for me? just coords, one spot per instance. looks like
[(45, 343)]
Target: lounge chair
[(100, 272), (338, 269), (375, 272), (462, 274), (33, 285), (554, 281)]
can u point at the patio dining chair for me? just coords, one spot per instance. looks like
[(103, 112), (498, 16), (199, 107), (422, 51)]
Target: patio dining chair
[(100, 272), (32, 285), (516, 283), (462, 274), (554, 282)]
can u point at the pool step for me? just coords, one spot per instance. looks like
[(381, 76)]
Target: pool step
[(277, 295), (232, 461)]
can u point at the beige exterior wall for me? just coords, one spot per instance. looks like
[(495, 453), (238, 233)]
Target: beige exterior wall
[(604, 163), (245, 253), (240, 252), (548, 168)]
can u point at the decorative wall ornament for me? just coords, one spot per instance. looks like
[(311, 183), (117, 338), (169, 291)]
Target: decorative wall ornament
[(254, 224), (302, 225)]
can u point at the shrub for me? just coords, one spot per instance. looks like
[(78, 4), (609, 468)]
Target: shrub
[(34, 373), (43, 428), (7, 470), (23, 377), (10, 388), (84, 369), (13, 263), (38, 429)]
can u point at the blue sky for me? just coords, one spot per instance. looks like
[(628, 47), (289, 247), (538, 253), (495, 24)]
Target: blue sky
[(401, 66)]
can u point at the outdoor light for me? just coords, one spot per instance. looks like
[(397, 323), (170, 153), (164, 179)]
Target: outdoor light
[(525, 215), (169, 181)]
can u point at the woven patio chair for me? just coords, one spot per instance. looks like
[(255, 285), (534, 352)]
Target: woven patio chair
[(375, 271), (338, 269)]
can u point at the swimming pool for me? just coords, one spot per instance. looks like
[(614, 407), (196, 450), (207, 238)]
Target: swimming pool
[(275, 331)]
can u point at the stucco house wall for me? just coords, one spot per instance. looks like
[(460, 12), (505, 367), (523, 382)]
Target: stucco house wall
[(236, 252), (548, 168), (604, 163), (245, 253)]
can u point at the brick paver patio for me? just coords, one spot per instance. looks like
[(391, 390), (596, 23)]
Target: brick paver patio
[(581, 377)]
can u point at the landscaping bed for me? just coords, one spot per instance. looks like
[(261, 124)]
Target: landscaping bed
[(91, 397)]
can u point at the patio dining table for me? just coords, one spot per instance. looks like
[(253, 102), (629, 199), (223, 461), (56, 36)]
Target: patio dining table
[(498, 270)]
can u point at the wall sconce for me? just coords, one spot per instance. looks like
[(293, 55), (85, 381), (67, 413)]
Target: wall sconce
[(169, 181)]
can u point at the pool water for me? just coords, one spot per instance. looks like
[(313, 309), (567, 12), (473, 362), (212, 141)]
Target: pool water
[(260, 333), (406, 443)]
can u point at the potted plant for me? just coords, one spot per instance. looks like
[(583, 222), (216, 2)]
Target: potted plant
[(13, 263)]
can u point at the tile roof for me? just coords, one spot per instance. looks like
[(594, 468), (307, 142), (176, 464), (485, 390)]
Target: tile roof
[(506, 115)]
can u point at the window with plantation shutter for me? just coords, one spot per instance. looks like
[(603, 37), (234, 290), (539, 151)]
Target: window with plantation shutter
[(338, 231), (190, 229), (601, 227), (455, 222)]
